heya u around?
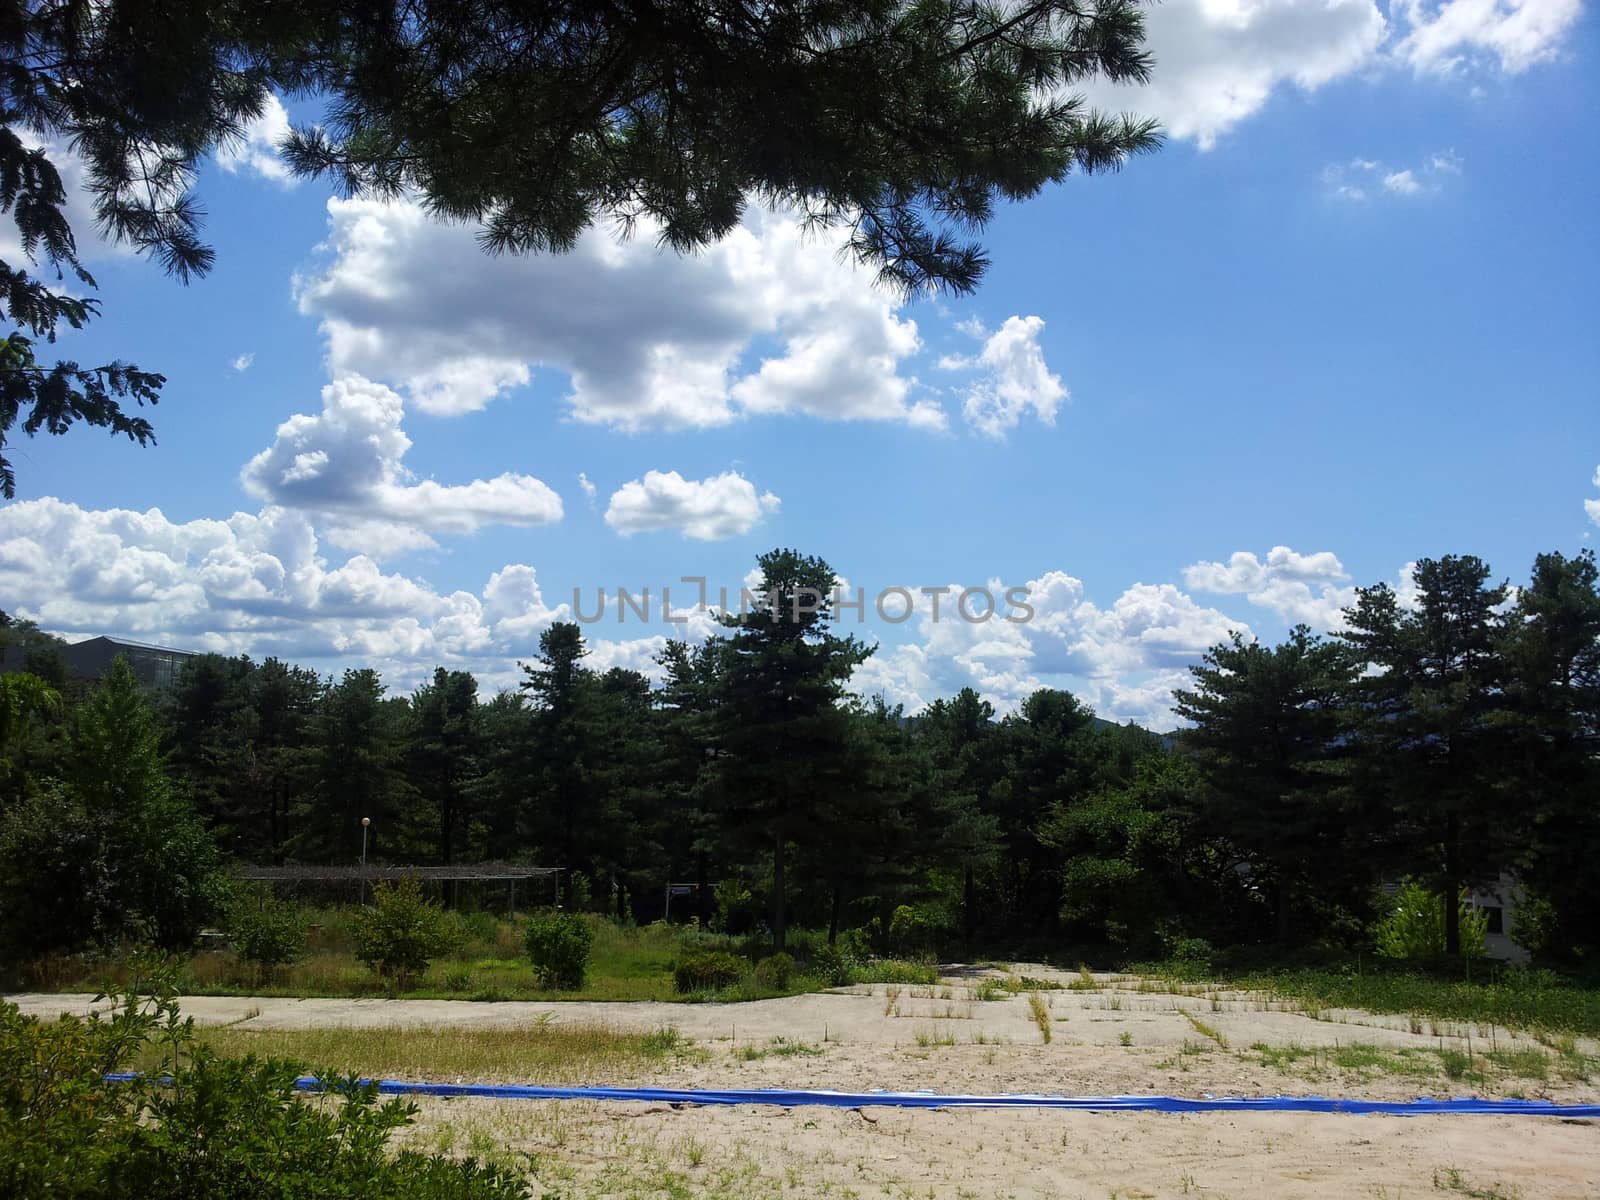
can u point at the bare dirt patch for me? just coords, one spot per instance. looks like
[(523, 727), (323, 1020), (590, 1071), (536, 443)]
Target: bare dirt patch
[(1108, 1035)]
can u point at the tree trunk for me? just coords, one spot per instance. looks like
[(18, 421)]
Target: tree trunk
[(833, 918), (778, 897)]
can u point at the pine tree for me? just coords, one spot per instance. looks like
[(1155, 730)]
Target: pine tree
[(1429, 718), (1266, 732), (780, 727)]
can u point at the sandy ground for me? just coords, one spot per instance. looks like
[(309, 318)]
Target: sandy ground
[(944, 1039)]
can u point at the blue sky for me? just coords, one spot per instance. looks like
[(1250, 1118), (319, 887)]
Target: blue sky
[(1344, 320)]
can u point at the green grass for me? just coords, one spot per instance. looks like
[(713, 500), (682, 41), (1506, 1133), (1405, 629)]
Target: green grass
[(1506, 996), (1360, 1058)]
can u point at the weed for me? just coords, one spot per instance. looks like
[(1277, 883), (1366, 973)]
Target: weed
[(932, 1037), (1456, 1064), (1205, 1030), (1125, 1038), (990, 989), (1041, 1014), (1449, 1179)]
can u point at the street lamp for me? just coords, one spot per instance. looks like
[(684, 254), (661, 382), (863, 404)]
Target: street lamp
[(365, 821)]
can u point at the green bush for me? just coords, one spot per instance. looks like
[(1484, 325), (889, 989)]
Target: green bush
[(401, 932), (1414, 927), (774, 972), (836, 965), (195, 1126), (558, 947), (266, 932), (708, 972)]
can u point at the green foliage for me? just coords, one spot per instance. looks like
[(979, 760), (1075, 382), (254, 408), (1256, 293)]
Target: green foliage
[(1415, 926), (401, 931), (558, 946), (775, 971), (835, 965), (194, 1125), (266, 932), (708, 971), (112, 851), (736, 907)]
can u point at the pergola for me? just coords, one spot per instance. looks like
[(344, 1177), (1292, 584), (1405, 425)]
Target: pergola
[(490, 872)]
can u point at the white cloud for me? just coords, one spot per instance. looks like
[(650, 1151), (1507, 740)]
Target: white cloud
[(1218, 61), (1449, 37), (242, 362), (1308, 588), (723, 506), (1403, 182), (1124, 659), (648, 339), (1349, 181), (1015, 382), (345, 464), (255, 584), (257, 150), (1592, 507)]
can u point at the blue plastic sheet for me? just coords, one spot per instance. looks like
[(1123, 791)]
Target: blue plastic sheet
[(795, 1098)]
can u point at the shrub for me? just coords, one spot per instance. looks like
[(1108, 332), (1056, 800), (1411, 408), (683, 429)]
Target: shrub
[(708, 972), (836, 965), (1414, 927), (914, 929), (775, 971), (401, 932), (195, 1125), (558, 947), (266, 932)]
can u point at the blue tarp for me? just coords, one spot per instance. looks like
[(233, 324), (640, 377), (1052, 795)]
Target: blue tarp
[(795, 1098)]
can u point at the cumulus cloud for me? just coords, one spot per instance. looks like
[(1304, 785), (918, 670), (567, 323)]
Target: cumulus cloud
[(1015, 379), (1124, 659), (1312, 589), (1455, 35), (648, 339), (242, 362), (256, 584), (587, 487), (1592, 507), (345, 465), (1217, 63), (257, 150), (1403, 182), (709, 510)]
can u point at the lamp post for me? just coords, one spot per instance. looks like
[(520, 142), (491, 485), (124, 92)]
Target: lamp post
[(365, 821)]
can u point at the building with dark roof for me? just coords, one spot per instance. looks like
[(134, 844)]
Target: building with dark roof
[(154, 666)]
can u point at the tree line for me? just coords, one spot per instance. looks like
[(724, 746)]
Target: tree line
[(1446, 735)]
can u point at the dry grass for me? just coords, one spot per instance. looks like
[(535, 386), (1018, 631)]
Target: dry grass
[(538, 1053)]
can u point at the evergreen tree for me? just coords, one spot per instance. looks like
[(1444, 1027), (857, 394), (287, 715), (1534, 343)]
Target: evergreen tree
[(443, 744), (357, 770), (780, 726), (112, 850), (1428, 717), (1266, 731), (1552, 651)]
